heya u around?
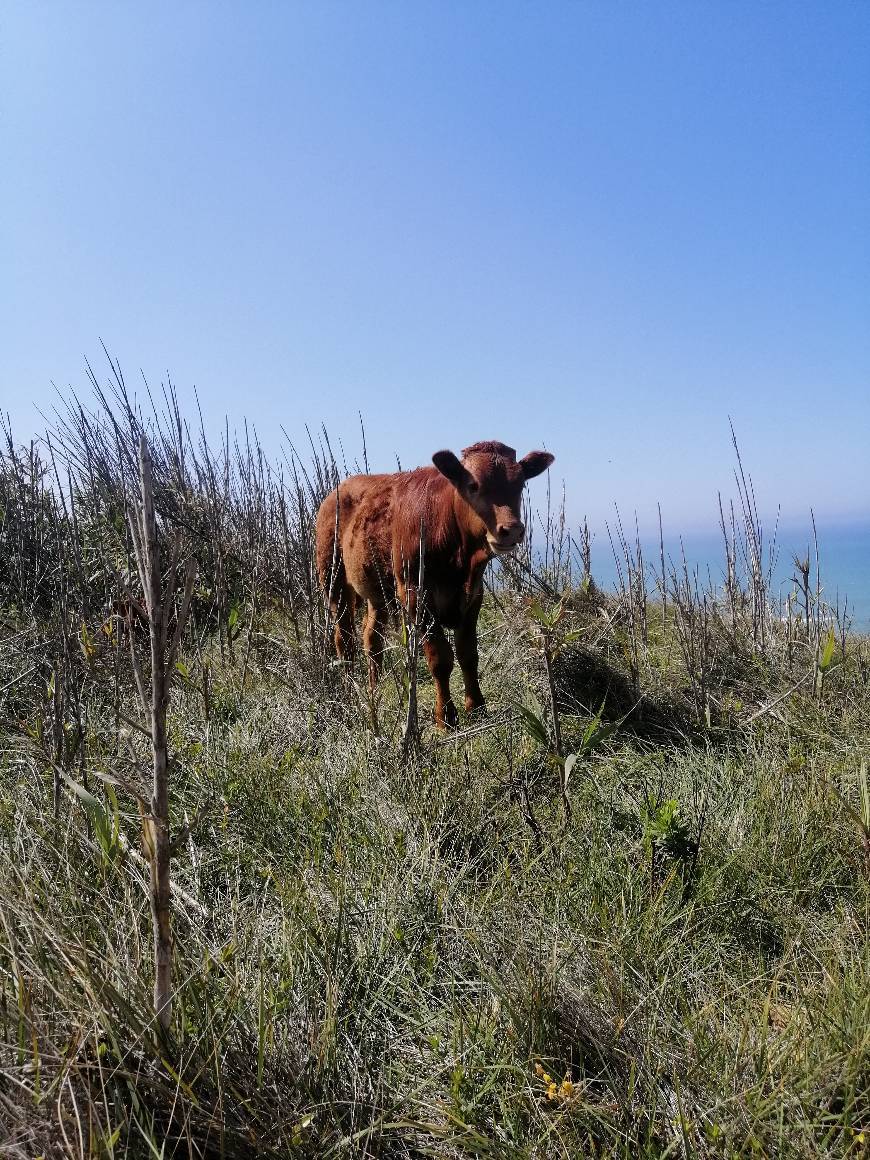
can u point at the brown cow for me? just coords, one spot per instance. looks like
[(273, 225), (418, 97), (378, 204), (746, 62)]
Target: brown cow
[(469, 511)]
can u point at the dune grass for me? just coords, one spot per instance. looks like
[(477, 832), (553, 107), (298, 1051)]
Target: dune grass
[(459, 952)]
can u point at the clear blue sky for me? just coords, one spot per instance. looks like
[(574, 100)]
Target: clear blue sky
[(598, 227)]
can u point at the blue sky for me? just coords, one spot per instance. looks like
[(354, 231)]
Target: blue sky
[(602, 228)]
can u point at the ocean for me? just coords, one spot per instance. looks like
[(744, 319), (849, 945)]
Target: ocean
[(844, 558)]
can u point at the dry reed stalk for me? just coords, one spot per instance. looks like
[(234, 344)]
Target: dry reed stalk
[(411, 616), (160, 604)]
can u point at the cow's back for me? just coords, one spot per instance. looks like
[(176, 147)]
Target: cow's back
[(359, 509), (379, 520)]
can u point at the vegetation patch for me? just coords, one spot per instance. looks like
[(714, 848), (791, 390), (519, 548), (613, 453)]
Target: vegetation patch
[(623, 915)]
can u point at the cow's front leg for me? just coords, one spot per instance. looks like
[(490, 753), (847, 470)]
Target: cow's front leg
[(439, 657), (465, 638)]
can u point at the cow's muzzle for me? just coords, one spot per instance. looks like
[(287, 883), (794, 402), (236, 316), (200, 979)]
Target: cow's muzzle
[(507, 539)]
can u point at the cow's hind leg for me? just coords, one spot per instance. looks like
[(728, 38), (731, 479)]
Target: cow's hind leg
[(439, 657), (465, 639), (374, 640), (342, 605)]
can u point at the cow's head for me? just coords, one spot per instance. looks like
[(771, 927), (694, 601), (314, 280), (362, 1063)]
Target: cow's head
[(490, 480)]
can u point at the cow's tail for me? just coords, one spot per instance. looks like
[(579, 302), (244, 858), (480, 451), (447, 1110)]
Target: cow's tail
[(330, 566)]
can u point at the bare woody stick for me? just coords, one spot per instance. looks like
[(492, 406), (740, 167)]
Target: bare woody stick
[(411, 610), (159, 605)]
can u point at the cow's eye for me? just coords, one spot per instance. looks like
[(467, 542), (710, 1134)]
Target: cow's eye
[(473, 487)]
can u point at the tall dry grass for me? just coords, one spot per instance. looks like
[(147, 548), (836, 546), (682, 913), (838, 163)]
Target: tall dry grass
[(624, 915)]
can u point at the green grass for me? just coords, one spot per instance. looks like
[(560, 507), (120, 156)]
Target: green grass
[(384, 959)]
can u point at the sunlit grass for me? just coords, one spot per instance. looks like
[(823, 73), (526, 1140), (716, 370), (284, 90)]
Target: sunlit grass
[(382, 959), (623, 915)]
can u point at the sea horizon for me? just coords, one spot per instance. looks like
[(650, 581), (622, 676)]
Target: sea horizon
[(843, 558)]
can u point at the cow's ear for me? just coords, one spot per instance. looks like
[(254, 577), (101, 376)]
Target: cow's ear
[(449, 466), (536, 462)]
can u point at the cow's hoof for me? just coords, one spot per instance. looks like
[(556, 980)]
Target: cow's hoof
[(449, 718), (477, 708)]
